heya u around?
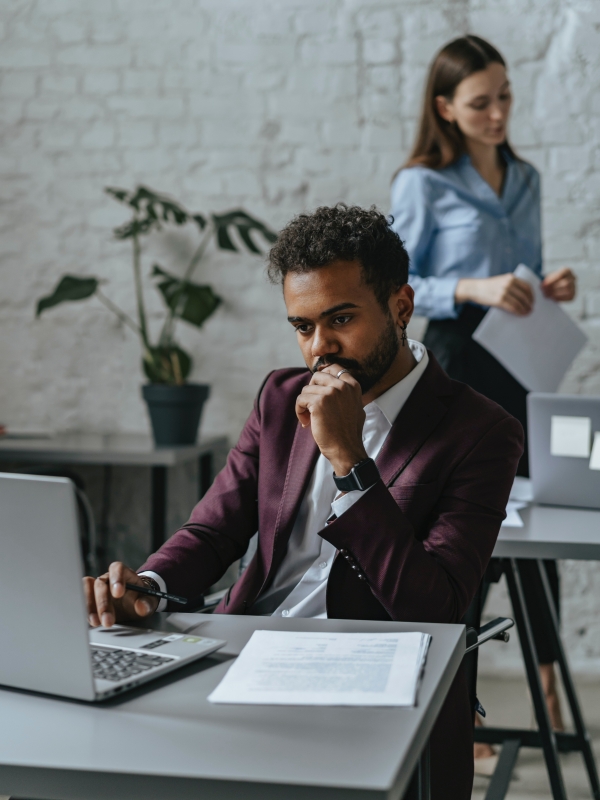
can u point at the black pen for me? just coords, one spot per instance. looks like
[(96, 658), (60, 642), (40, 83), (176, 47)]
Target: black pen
[(155, 593)]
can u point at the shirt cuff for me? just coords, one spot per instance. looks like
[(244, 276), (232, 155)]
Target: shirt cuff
[(162, 603), (346, 501)]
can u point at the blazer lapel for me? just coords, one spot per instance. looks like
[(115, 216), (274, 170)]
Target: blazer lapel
[(303, 457), (414, 424)]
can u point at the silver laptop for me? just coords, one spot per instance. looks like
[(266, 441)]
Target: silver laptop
[(564, 449), (46, 642)]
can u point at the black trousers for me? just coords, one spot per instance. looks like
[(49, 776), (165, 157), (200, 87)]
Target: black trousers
[(450, 340)]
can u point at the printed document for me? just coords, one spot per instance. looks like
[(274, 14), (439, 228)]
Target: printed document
[(537, 349), (294, 668)]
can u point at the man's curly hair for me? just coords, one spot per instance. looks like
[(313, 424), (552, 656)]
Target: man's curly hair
[(346, 233)]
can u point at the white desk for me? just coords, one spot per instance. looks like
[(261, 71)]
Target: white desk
[(548, 532), (552, 532), (171, 744)]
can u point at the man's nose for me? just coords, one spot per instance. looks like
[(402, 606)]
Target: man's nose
[(323, 344)]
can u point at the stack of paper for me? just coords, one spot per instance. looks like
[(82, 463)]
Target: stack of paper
[(326, 669)]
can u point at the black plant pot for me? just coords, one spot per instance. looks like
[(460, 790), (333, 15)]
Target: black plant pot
[(175, 411)]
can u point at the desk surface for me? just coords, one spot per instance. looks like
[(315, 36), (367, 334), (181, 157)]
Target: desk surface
[(171, 744), (97, 448), (552, 532)]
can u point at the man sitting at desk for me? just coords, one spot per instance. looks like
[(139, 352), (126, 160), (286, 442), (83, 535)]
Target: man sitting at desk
[(377, 485)]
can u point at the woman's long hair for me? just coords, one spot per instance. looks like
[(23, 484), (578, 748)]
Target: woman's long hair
[(439, 142)]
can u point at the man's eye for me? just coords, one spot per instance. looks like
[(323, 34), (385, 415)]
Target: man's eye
[(302, 328), (342, 320)]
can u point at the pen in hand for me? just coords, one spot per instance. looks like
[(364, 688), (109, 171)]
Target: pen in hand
[(155, 593)]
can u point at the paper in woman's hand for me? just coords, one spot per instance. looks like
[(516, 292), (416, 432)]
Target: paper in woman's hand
[(537, 349)]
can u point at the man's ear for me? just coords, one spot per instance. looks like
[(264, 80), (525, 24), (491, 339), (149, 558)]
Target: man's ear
[(402, 304), (444, 108)]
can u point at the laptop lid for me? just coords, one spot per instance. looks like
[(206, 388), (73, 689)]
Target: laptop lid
[(561, 432), (43, 625)]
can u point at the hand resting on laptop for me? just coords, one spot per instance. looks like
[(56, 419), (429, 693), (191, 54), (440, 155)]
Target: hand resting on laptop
[(108, 601)]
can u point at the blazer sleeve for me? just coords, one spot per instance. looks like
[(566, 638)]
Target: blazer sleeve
[(434, 579), (221, 525), (414, 222)]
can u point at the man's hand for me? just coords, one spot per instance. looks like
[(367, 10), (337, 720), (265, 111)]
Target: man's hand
[(108, 601), (508, 292), (559, 285), (333, 409)]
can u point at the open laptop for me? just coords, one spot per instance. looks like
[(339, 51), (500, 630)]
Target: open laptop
[(564, 449), (46, 642)]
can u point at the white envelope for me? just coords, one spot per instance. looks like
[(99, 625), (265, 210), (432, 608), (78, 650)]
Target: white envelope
[(537, 349)]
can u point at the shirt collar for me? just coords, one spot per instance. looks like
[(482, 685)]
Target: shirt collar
[(390, 402)]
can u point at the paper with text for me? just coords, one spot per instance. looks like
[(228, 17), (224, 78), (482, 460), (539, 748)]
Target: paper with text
[(537, 349), (326, 669)]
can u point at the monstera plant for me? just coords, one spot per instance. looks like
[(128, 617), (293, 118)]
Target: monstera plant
[(164, 362)]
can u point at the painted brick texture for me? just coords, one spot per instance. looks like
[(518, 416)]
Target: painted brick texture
[(277, 107)]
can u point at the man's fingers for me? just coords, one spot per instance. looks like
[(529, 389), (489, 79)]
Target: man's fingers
[(90, 602), (104, 603), (145, 606), (334, 370), (116, 578), (119, 574)]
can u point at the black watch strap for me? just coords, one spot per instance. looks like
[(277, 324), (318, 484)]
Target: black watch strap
[(361, 477)]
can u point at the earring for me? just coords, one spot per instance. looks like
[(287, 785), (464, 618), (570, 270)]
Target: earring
[(403, 338)]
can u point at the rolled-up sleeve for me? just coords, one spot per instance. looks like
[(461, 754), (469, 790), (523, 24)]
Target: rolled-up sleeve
[(414, 222)]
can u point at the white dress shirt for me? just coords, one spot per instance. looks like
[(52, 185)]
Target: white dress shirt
[(299, 587)]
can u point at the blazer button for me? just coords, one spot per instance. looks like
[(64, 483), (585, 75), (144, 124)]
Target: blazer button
[(361, 577)]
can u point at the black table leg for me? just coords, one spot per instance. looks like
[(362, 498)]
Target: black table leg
[(205, 474), (548, 739), (159, 506), (580, 729), (424, 773), (498, 786)]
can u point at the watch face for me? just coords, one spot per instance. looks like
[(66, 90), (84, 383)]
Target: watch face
[(366, 473)]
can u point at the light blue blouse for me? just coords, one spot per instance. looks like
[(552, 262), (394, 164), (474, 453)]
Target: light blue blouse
[(455, 226)]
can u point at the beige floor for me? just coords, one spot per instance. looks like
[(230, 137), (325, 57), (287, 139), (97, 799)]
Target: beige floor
[(507, 704)]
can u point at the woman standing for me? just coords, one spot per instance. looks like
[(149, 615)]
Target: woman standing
[(468, 210)]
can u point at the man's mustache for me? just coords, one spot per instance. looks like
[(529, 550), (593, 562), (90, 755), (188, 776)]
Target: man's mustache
[(346, 363)]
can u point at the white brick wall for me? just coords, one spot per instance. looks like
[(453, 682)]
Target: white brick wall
[(275, 106)]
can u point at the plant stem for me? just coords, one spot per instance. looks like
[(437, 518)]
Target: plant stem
[(166, 334), (125, 318), (137, 274)]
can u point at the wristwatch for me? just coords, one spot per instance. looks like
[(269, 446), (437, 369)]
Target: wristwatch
[(362, 476)]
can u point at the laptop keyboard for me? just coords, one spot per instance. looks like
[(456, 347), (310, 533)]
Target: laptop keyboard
[(114, 664)]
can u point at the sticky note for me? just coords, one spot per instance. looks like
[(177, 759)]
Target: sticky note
[(595, 459), (571, 436)]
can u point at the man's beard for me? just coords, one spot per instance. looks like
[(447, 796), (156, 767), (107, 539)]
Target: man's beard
[(376, 364)]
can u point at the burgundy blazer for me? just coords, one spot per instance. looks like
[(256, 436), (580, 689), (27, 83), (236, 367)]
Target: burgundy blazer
[(414, 547)]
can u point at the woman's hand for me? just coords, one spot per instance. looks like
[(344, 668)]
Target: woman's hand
[(560, 285), (503, 291)]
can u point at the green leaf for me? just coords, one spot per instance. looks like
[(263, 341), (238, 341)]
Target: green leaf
[(170, 365), (68, 289), (151, 208), (189, 301), (244, 224)]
